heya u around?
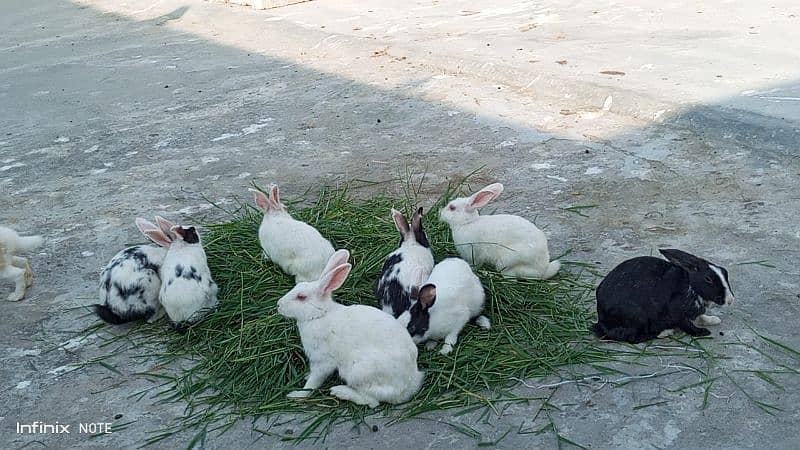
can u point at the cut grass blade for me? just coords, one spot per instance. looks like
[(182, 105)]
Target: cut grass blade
[(578, 209)]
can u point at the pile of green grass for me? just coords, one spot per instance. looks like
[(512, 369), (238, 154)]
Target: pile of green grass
[(245, 358)]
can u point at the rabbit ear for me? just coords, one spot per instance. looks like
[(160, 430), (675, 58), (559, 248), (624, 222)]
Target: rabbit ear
[(159, 237), (164, 225), (145, 225), (275, 194), (416, 220), (333, 279), (485, 195), (419, 277), (338, 258), (427, 295), (262, 201), (416, 227), (400, 222), (684, 260), (153, 232)]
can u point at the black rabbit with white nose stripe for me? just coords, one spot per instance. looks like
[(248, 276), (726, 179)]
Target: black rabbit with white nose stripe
[(647, 297)]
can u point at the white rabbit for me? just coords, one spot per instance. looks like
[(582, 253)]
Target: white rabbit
[(403, 268), (513, 245), (295, 246), (13, 267), (187, 289), (372, 352), (452, 296), (130, 283)]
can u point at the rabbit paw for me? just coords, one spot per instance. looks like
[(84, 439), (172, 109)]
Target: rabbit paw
[(705, 319), (483, 322), (15, 296), (299, 394), (430, 345), (665, 333), (446, 349), (347, 393), (28, 276)]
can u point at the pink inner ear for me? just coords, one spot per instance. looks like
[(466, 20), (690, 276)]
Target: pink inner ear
[(335, 278), (338, 258), (261, 200), (400, 222), (164, 224), (276, 195), (145, 225), (481, 198), (158, 237)]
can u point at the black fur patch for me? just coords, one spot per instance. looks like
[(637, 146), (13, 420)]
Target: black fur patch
[(419, 229), (190, 235), (391, 261), (420, 320), (389, 291), (422, 238), (128, 291), (116, 318), (142, 261), (180, 327), (396, 296), (190, 274)]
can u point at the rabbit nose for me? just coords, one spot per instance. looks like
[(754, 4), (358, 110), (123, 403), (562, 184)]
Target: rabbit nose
[(729, 298)]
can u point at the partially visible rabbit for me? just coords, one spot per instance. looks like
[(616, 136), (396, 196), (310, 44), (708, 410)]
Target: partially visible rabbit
[(513, 245), (403, 268), (452, 296), (371, 351), (646, 297), (187, 289), (130, 283), (297, 247), (13, 267)]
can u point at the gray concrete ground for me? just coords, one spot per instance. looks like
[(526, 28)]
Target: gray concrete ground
[(680, 120)]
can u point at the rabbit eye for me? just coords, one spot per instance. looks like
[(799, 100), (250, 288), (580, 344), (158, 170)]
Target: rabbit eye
[(709, 280), (451, 207), (301, 297)]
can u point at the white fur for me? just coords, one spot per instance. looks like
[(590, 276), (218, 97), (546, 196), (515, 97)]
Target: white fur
[(125, 271), (297, 247), (665, 333), (512, 244), (184, 299), (705, 319), (459, 298), (371, 351), (13, 267), (728, 293), (483, 322)]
